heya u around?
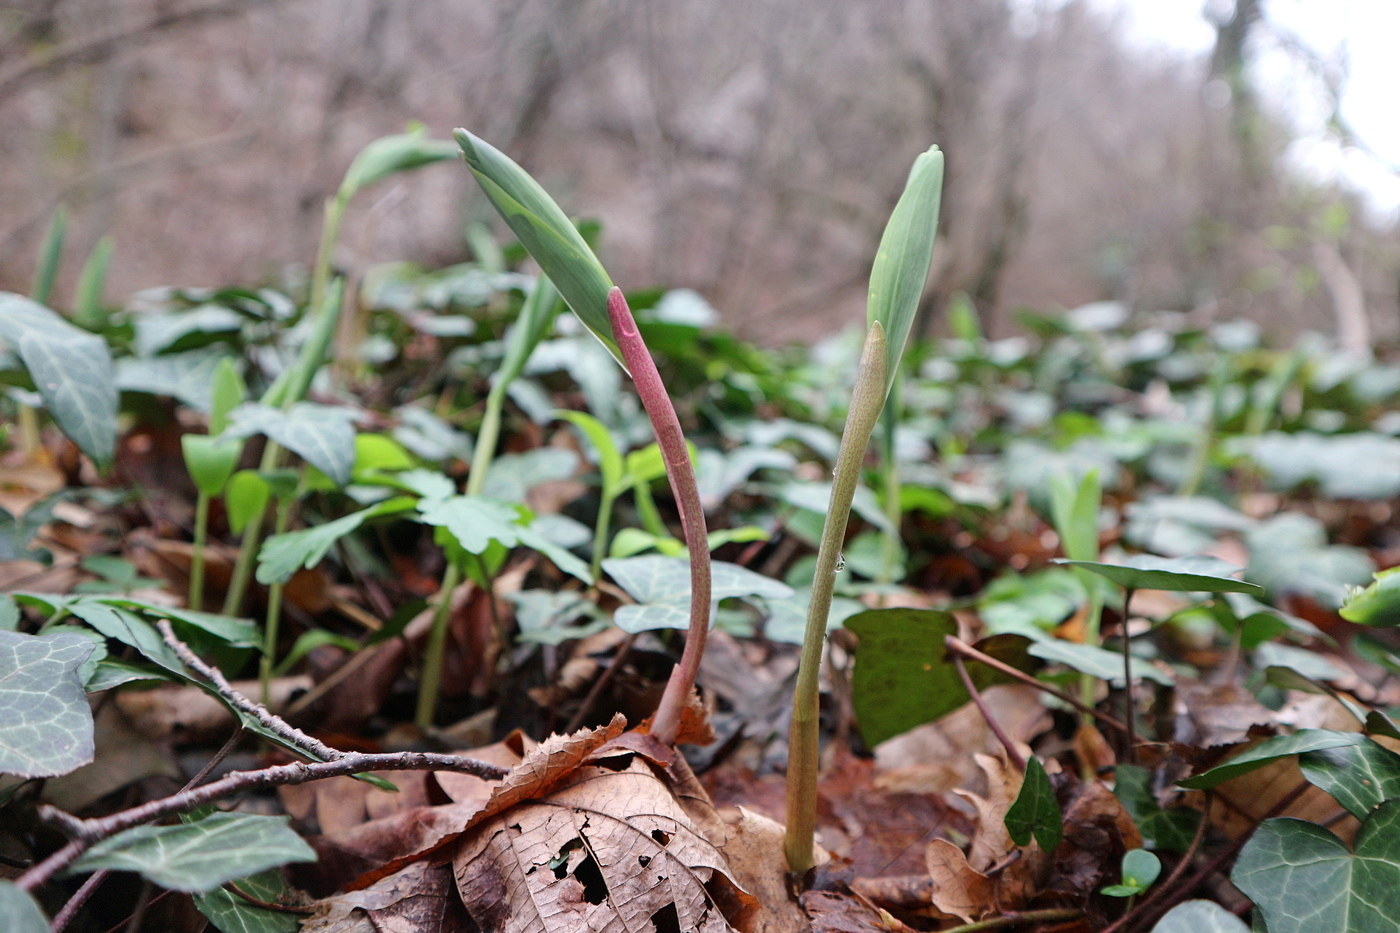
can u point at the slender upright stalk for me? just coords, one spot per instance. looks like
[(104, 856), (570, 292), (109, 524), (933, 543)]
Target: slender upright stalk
[(1129, 708), (431, 682), (803, 743), (667, 722), (274, 614), (201, 537)]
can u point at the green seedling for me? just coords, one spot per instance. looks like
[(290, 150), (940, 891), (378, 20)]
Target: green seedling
[(1140, 870), (896, 283)]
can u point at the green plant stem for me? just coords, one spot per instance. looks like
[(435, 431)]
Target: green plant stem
[(1049, 915), (1129, 708), (195, 600), (437, 646), (600, 532), (803, 743), (486, 439), (248, 546), (274, 614), (670, 439), (889, 552)]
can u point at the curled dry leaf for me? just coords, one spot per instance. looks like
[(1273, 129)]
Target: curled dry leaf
[(417, 899), (612, 848), (958, 888), (754, 848)]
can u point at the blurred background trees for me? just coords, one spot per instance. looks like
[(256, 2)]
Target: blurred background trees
[(751, 151)]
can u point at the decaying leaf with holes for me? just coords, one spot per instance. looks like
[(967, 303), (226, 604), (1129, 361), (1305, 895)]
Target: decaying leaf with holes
[(625, 843)]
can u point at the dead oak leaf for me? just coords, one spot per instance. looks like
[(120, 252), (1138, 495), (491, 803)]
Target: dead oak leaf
[(613, 849), (544, 767)]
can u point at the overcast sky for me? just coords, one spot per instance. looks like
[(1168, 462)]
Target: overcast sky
[(1363, 33)]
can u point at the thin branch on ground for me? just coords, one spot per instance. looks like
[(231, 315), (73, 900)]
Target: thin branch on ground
[(1011, 752), (958, 646), (314, 748), (84, 833)]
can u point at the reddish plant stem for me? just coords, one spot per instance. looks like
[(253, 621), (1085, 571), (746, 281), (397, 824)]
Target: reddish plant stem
[(681, 475), (1129, 707), (1005, 740)]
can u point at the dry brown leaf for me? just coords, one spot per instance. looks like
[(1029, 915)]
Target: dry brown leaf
[(757, 863), (584, 834), (958, 888), (611, 850), (419, 899), (544, 768), (937, 757), (837, 912), (992, 843)]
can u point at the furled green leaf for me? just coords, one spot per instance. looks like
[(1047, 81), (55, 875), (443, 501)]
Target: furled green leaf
[(245, 498), (45, 721), (474, 521), (1035, 811), (903, 676), (389, 155), (211, 460), (546, 232), (283, 555), (50, 255), (20, 913), (1076, 512), (71, 368), (609, 458), (1199, 917), (1378, 605), (1302, 879), (532, 325), (201, 855), (226, 393), (1282, 746), (1359, 777), (322, 435), (902, 261), (1176, 574)]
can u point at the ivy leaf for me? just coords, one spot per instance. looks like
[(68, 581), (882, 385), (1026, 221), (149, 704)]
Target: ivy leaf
[(1035, 811), (1174, 574), (1359, 777), (71, 368), (1302, 879), (283, 555), (1282, 746), (45, 721), (130, 629), (1169, 830), (322, 435), (232, 914), (474, 521), (202, 855), (1199, 917), (661, 586), (20, 913)]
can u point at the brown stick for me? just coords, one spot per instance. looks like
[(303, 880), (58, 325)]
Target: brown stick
[(958, 646)]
